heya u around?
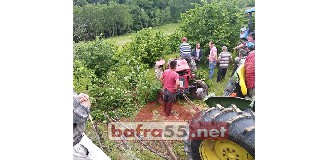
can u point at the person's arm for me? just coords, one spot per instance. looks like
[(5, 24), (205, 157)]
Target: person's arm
[(177, 81), (81, 108), (181, 50), (239, 46), (215, 55), (193, 53), (210, 54), (161, 79), (219, 57), (200, 54)]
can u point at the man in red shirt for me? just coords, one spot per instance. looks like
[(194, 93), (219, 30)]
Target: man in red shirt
[(250, 73), (170, 82)]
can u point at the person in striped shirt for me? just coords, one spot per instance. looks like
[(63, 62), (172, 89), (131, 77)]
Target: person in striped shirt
[(224, 58), (185, 50)]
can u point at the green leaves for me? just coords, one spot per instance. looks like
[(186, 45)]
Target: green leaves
[(90, 19), (219, 21), (149, 46), (97, 55), (117, 79)]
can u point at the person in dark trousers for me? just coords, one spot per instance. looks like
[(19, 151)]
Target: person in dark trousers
[(224, 58), (170, 82), (197, 54)]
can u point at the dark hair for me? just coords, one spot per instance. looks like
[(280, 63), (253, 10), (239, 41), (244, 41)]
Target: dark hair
[(252, 34), (173, 64), (243, 52)]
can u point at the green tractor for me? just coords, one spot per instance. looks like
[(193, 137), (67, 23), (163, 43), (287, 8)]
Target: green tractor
[(240, 118)]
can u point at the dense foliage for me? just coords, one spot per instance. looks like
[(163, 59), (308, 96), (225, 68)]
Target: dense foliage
[(218, 21), (174, 40), (97, 55), (92, 20), (148, 46), (110, 18), (117, 80), (120, 79)]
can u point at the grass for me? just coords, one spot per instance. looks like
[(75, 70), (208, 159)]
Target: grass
[(167, 29)]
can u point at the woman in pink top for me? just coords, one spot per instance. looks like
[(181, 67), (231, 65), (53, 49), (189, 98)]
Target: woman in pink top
[(212, 59)]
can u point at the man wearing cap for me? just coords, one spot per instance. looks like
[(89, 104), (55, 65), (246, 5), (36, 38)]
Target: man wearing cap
[(83, 148), (224, 58)]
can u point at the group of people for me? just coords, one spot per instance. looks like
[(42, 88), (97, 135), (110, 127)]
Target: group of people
[(170, 78), (222, 59), (83, 148)]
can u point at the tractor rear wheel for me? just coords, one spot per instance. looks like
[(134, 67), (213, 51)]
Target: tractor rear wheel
[(200, 91), (238, 146)]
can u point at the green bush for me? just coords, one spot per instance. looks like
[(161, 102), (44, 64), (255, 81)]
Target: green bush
[(116, 80), (219, 21), (174, 40), (97, 55), (148, 46), (82, 77), (148, 88)]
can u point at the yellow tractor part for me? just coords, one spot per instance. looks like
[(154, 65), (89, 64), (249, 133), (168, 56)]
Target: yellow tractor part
[(241, 71), (222, 150)]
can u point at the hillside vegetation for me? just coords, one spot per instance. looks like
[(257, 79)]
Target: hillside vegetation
[(117, 72)]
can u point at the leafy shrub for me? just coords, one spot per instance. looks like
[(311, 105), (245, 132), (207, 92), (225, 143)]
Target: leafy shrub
[(219, 21), (203, 73), (175, 40), (82, 77), (118, 89), (148, 88), (112, 99), (148, 46), (97, 55)]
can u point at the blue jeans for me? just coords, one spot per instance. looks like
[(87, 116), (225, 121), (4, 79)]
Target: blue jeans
[(211, 69)]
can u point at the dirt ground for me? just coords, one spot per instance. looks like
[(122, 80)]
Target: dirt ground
[(154, 112)]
